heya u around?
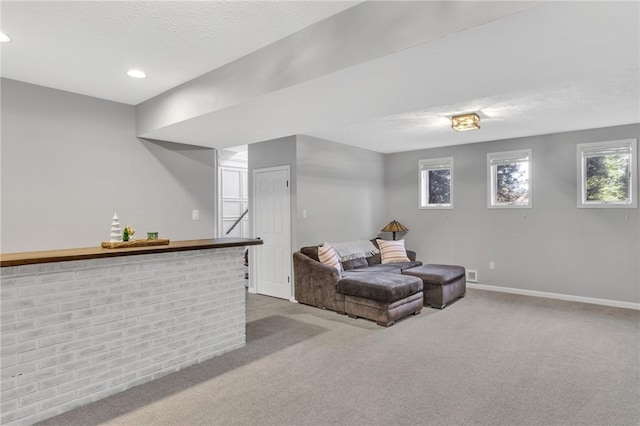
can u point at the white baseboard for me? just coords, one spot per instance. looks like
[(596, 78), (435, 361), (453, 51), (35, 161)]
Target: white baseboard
[(570, 298)]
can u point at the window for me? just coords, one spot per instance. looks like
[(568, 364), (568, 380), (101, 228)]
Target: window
[(436, 183), (509, 176), (606, 174)]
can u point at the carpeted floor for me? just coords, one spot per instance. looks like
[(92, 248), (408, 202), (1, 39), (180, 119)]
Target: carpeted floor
[(488, 359)]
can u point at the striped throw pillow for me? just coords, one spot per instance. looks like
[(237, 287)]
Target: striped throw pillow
[(393, 251), (328, 256)]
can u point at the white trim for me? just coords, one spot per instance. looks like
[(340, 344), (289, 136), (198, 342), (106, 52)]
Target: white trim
[(558, 296)]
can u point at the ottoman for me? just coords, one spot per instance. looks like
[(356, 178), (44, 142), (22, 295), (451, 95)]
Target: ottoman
[(381, 297), (442, 284)]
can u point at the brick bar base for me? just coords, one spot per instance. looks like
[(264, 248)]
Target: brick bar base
[(78, 331)]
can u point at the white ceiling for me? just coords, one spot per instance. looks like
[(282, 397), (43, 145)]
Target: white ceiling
[(549, 68), (87, 47)]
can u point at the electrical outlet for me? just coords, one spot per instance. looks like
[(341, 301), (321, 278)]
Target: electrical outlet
[(195, 214), (492, 265)]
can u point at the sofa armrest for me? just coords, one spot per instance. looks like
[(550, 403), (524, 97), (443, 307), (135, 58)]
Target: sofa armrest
[(314, 282), (411, 255)]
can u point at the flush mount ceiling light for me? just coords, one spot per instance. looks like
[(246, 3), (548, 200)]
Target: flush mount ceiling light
[(4, 38), (136, 74), (465, 122)]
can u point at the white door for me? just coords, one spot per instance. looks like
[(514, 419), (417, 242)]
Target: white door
[(272, 223)]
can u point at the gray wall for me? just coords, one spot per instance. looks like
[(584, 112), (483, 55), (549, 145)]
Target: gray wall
[(555, 248), (342, 190), (340, 187), (69, 161)]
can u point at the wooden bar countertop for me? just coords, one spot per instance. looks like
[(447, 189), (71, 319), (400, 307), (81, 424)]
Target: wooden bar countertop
[(48, 256)]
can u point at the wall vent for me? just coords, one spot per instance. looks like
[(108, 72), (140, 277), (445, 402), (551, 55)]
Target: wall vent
[(472, 276)]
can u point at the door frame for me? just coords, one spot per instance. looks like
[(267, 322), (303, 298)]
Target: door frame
[(254, 250)]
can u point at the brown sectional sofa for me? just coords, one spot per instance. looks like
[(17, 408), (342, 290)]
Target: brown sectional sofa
[(366, 288)]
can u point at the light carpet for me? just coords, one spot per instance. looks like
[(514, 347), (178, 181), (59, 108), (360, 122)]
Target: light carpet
[(488, 359)]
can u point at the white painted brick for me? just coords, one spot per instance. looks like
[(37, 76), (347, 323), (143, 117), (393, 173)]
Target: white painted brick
[(37, 396), (122, 360), (37, 375), (17, 304), (91, 389), (41, 415), (132, 319), (18, 392), (56, 360), (74, 325), (8, 384), (8, 293), (55, 298), (108, 318), (38, 312), (123, 324), (59, 379), (91, 350), (106, 374), (92, 292), (91, 312), (55, 340), (76, 403), (54, 319), (73, 285), (107, 356), (9, 339), (19, 348), (55, 277), (8, 406), (6, 317), (90, 370), (74, 346), (123, 306), (125, 378), (74, 365), (75, 305), (75, 384), (92, 331), (18, 281), (25, 357), (21, 412), (7, 272)]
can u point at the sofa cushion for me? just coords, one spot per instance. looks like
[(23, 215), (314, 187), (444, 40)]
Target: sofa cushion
[(379, 286), (436, 274), (393, 251), (359, 262), (392, 269), (328, 256), (311, 251)]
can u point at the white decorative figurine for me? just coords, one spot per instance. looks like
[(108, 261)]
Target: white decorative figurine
[(116, 231)]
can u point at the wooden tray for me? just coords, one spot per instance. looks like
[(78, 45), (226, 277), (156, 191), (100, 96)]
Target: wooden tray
[(135, 243)]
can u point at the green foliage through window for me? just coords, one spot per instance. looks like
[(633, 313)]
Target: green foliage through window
[(607, 178)]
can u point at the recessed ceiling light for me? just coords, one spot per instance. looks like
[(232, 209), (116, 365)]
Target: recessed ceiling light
[(136, 74), (4, 38)]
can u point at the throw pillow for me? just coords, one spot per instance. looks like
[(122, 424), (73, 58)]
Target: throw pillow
[(393, 251), (328, 256)]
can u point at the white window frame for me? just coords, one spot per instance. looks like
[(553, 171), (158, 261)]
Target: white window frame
[(507, 157), (433, 164), (585, 150)]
